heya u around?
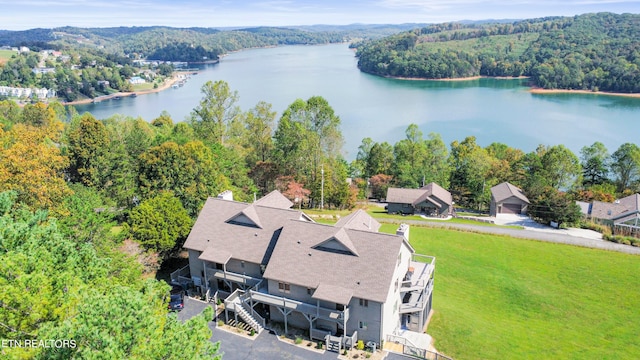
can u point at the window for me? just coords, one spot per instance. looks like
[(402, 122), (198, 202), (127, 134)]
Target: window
[(396, 285), (242, 264), (399, 259), (362, 325), (364, 302), (284, 287), (309, 291)]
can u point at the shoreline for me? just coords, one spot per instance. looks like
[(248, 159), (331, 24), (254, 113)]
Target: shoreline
[(470, 78), (165, 85), (532, 89), (542, 91)]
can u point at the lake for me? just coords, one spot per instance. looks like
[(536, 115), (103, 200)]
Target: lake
[(491, 110)]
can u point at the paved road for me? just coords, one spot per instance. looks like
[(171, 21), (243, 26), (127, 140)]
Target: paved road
[(526, 234)]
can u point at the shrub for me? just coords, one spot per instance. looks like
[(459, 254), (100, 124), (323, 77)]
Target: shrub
[(344, 352), (298, 340), (319, 346), (220, 322), (360, 345), (252, 332), (367, 355), (603, 229)]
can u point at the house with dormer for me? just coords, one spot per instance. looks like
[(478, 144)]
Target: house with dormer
[(343, 282)]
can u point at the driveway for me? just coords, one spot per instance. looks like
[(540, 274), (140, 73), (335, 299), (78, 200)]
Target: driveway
[(192, 308), (529, 224), (265, 346)]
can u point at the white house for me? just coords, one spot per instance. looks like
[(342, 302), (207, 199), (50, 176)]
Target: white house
[(137, 80)]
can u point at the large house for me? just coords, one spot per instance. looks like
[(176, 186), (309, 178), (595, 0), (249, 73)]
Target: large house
[(342, 282), (624, 212), (507, 199), (431, 199)]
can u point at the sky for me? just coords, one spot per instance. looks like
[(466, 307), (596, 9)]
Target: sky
[(28, 14)]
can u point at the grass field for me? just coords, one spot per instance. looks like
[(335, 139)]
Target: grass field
[(503, 298), (144, 86), (518, 42), (5, 55)]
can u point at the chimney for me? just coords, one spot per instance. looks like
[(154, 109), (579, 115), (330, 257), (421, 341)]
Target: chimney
[(404, 231), (226, 195)]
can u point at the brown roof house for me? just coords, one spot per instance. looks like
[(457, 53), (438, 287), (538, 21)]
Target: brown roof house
[(431, 200), (507, 199), (272, 264), (622, 212)]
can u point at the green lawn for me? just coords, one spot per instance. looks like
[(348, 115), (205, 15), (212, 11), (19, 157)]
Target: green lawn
[(5, 55), (144, 86), (498, 297)]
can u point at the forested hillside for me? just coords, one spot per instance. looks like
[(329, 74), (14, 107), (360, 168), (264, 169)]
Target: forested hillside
[(587, 52), (144, 41)]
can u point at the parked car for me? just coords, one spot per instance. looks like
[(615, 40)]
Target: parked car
[(176, 303)]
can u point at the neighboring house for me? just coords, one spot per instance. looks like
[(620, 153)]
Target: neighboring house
[(342, 283), (137, 80), (508, 199), (431, 199), (622, 212), (43, 70)]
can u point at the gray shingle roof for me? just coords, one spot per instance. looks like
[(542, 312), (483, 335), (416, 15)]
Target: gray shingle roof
[(403, 196), (505, 190), (332, 293), (618, 211), (250, 213), (247, 243), (297, 260), (219, 256), (431, 192), (359, 220), (275, 199)]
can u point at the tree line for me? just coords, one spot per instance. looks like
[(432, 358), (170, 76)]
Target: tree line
[(587, 52), (552, 177)]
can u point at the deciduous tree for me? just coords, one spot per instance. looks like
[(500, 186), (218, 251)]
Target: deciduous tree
[(216, 112), (625, 165), (32, 165), (595, 164)]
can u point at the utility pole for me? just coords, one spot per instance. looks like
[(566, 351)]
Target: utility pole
[(322, 189)]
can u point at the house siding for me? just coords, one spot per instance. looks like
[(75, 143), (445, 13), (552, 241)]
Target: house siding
[(400, 208), (370, 315), (441, 209), (296, 292), (195, 265), (391, 312), (249, 269)]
